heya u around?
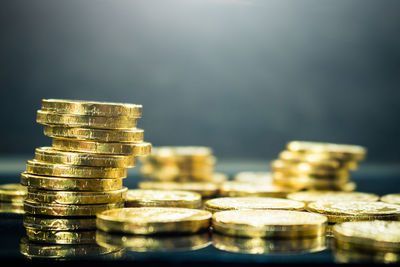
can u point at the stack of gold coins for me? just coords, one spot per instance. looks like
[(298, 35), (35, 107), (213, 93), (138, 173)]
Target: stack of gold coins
[(313, 165), (81, 174), (12, 198), (368, 241)]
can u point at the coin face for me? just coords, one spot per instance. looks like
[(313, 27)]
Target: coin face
[(236, 203), (391, 198), (312, 196), (354, 208)]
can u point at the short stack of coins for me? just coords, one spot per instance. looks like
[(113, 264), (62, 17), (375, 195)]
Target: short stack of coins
[(188, 168), (12, 198), (314, 165), (81, 174)]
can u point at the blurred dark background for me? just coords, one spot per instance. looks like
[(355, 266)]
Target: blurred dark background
[(243, 77)]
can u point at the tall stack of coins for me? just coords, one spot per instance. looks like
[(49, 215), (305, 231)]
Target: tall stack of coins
[(182, 168), (81, 174), (313, 165)]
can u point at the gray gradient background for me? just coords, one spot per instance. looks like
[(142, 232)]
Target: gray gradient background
[(243, 77)]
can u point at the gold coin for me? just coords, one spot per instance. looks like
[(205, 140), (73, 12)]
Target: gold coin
[(219, 178), (12, 207), (335, 150), (268, 246), (253, 177), (61, 237), (377, 235), (91, 108), (59, 223), (63, 170), (33, 250), (103, 135), (152, 220), (70, 184), (306, 168), (312, 196), (299, 183), (166, 243), (162, 198), (341, 211), (238, 189), (73, 120), (50, 155), (205, 189), (194, 152), (391, 198), (138, 149), (12, 192), (254, 203), (74, 197), (286, 174), (50, 209), (269, 223)]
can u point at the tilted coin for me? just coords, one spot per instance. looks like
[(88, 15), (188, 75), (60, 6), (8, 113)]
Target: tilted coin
[(258, 245), (152, 220), (61, 237), (63, 170), (103, 135), (50, 209), (269, 223), (238, 189), (391, 198), (74, 197), (138, 149), (205, 189), (342, 211), (70, 184), (50, 155), (256, 203), (312, 196), (59, 223), (73, 120), (253, 177), (12, 192), (34, 250), (91, 108), (162, 198), (141, 243), (377, 235)]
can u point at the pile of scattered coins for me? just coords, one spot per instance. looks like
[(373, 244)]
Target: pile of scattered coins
[(320, 166)]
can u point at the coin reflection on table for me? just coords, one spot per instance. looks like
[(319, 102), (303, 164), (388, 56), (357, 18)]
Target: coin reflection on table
[(268, 246), (141, 243), (33, 250)]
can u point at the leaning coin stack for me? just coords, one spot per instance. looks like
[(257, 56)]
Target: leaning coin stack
[(313, 165), (81, 174), (182, 168)]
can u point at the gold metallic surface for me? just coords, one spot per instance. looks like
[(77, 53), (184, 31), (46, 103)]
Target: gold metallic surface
[(164, 243), (162, 198), (61, 237), (239, 189), (59, 223), (254, 177), (33, 250), (50, 155), (312, 196), (12, 207), (205, 189), (256, 203), (269, 223), (76, 197), (152, 220), (268, 246), (307, 168), (12, 193), (50, 209), (87, 121), (391, 198), (70, 184), (91, 108), (62, 170), (138, 149), (103, 135)]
